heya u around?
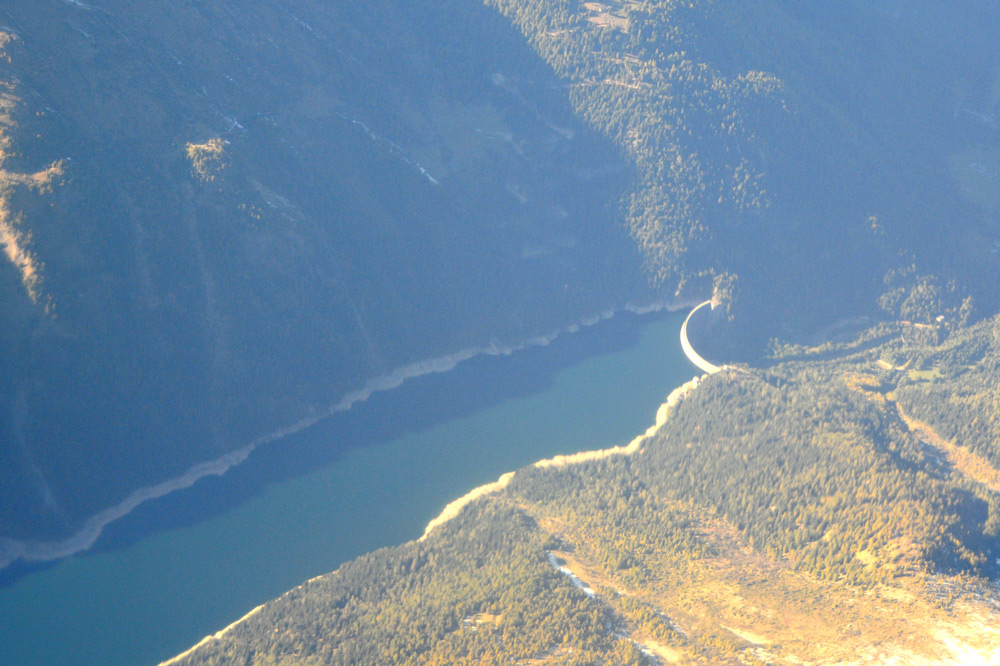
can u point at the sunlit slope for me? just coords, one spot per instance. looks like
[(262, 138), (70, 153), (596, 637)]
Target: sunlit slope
[(780, 515)]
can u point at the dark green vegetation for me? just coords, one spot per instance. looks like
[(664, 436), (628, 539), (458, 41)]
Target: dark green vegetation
[(793, 511), (953, 388), (473, 592), (254, 208), (831, 501), (221, 217), (783, 145)]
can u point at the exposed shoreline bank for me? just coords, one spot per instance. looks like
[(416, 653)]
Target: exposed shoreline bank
[(662, 414), (454, 508), (31, 551)]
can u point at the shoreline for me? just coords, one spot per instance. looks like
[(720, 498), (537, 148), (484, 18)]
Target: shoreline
[(32, 551), (211, 637), (455, 507), (452, 509)]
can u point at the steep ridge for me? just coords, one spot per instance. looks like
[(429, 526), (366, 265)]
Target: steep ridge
[(781, 515), (221, 218)]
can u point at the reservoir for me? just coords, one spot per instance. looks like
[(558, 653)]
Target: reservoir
[(188, 564)]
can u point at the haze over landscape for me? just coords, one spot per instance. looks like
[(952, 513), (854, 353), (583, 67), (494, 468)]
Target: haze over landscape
[(226, 224)]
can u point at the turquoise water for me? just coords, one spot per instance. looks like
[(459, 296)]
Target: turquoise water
[(149, 600)]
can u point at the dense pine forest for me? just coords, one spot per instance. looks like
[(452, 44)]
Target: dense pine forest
[(222, 220), (815, 509), (297, 199), (829, 499)]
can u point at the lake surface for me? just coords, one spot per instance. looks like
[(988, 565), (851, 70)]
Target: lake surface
[(188, 565)]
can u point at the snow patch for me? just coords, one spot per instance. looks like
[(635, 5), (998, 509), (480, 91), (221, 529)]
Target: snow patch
[(554, 561)]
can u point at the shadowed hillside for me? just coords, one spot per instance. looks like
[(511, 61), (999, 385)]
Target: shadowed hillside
[(220, 218)]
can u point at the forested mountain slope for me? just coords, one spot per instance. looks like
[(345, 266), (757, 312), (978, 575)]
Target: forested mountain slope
[(221, 217), (790, 514), (790, 146)]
